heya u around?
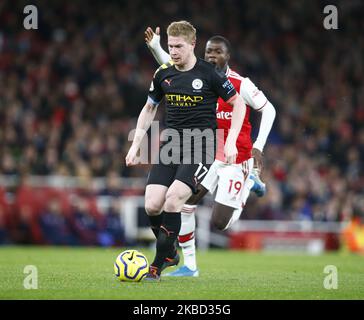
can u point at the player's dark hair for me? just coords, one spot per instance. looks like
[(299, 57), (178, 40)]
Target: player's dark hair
[(223, 40)]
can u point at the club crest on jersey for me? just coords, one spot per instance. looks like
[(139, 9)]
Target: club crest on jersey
[(197, 84)]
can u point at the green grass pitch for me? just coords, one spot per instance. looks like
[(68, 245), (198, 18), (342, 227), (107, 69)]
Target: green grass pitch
[(87, 273)]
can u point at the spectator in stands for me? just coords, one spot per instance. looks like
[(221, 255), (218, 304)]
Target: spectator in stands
[(55, 226), (113, 185), (113, 226), (23, 232), (4, 228), (86, 226)]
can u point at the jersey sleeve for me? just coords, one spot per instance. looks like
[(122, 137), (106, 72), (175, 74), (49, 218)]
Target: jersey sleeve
[(156, 93), (222, 85), (252, 95)]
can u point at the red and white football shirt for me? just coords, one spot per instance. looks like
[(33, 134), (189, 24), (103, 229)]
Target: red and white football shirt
[(254, 98)]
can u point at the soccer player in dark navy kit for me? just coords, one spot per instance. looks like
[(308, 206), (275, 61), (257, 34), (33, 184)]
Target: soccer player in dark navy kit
[(191, 87)]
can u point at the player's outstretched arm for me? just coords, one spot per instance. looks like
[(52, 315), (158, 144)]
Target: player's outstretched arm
[(145, 119), (152, 39), (266, 123), (238, 115)]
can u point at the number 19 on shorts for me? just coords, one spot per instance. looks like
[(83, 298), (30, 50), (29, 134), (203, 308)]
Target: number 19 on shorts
[(234, 187)]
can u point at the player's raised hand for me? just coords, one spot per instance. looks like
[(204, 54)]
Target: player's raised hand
[(151, 37), (130, 158)]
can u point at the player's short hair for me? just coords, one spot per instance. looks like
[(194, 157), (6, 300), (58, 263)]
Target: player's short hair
[(223, 40), (182, 29)]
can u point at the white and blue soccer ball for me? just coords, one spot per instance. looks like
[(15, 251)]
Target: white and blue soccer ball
[(131, 265)]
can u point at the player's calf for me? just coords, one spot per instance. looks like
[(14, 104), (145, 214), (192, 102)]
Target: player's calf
[(167, 236), (153, 210)]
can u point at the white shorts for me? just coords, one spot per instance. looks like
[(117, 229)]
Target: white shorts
[(231, 181)]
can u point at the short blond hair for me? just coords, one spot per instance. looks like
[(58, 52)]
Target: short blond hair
[(182, 29)]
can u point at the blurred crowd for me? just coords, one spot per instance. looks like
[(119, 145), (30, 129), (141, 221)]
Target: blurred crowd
[(63, 216), (70, 93)]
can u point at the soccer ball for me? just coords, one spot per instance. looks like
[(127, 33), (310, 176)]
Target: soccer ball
[(131, 265)]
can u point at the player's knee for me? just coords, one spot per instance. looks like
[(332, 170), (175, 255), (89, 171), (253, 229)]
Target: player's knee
[(220, 223), (196, 197), (152, 207), (220, 217), (192, 200), (174, 202)]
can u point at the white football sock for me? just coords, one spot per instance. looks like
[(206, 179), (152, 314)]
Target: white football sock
[(186, 238)]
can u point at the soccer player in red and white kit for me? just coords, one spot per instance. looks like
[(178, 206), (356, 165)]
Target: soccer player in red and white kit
[(232, 182)]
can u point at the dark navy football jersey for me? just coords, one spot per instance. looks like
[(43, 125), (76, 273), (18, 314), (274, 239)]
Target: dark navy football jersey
[(190, 96)]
